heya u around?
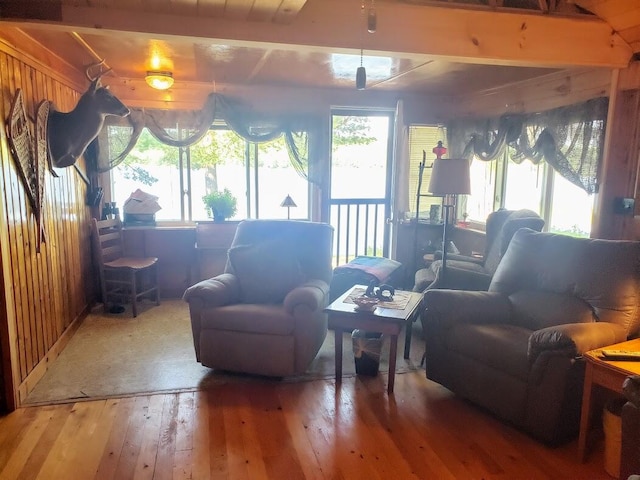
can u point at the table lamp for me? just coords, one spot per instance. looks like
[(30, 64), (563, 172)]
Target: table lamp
[(288, 202), (449, 177)]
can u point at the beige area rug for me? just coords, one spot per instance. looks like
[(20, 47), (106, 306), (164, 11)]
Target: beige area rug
[(114, 355)]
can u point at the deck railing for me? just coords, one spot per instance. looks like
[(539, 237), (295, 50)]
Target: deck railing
[(359, 225)]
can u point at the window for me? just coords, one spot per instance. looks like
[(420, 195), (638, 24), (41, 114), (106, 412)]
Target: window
[(565, 207), (524, 185), (180, 177), (571, 209), (482, 200), (422, 140)]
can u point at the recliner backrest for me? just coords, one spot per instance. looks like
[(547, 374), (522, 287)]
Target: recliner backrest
[(501, 225), (603, 273), (306, 241)]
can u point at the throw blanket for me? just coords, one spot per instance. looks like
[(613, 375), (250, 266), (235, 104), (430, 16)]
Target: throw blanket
[(379, 267)]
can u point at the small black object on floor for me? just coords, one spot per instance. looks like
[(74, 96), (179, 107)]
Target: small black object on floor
[(117, 309), (367, 347)]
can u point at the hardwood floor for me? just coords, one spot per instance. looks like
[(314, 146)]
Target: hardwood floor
[(276, 430)]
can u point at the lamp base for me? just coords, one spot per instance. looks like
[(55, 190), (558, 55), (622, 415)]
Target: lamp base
[(443, 269)]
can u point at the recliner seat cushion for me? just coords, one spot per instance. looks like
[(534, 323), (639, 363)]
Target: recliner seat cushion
[(502, 347), (250, 318), (266, 271)]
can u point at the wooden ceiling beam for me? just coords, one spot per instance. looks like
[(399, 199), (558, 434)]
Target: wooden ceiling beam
[(453, 34)]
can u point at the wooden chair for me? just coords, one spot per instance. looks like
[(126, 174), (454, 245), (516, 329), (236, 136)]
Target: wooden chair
[(122, 278)]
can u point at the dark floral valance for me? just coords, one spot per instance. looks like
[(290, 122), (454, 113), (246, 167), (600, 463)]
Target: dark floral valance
[(182, 128), (570, 139)]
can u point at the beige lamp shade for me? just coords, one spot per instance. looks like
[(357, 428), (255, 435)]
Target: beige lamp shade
[(450, 176)]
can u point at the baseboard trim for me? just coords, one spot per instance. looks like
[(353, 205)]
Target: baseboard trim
[(54, 352)]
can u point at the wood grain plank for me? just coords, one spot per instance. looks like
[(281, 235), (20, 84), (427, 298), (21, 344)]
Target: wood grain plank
[(11, 434), (58, 416), (243, 448), (201, 457), (150, 439), (106, 469), (218, 459), (354, 431), (211, 7), (184, 445), (165, 458), (133, 439), (88, 440), (28, 441), (311, 467), (15, 239), (79, 426)]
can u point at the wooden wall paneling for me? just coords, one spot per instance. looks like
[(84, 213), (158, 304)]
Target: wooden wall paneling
[(15, 239), (78, 199), (49, 248), (29, 232), (24, 243), (51, 226), (43, 259), (619, 166), (43, 293), (27, 226), (17, 341), (47, 291), (10, 359), (545, 93)]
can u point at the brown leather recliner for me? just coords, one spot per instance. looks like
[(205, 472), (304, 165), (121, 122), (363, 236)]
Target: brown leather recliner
[(516, 349), (264, 315), (471, 273), (630, 447)]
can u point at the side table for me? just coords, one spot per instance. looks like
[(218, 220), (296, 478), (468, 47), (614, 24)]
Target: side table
[(343, 316), (605, 373)]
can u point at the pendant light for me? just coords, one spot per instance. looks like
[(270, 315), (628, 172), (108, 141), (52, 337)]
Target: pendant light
[(372, 18), (361, 75)]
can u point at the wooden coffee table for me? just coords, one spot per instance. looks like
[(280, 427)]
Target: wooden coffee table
[(607, 374), (343, 316)]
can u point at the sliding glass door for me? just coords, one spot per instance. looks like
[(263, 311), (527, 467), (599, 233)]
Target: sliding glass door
[(360, 193)]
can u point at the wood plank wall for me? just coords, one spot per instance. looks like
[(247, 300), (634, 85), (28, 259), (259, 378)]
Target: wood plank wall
[(44, 293)]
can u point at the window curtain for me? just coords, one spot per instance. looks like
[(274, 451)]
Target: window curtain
[(401, 162), (182, 128), (570, 139)]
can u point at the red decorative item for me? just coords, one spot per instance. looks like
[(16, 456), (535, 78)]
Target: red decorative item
[(439, 150)]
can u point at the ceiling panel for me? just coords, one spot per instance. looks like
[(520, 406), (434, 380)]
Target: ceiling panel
[(255, 63)]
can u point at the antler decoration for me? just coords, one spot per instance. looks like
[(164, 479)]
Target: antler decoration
[(100, 71)]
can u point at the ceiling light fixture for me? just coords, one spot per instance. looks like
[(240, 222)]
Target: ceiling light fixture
[(361, 75), (160, 80)]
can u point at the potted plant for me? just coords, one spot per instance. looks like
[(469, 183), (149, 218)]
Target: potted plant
[(221, 205)]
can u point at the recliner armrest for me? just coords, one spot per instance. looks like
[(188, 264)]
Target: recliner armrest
[(463, 279), (450, 307), (221, 290), (574, 339), (312, 295), (459, 257)]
